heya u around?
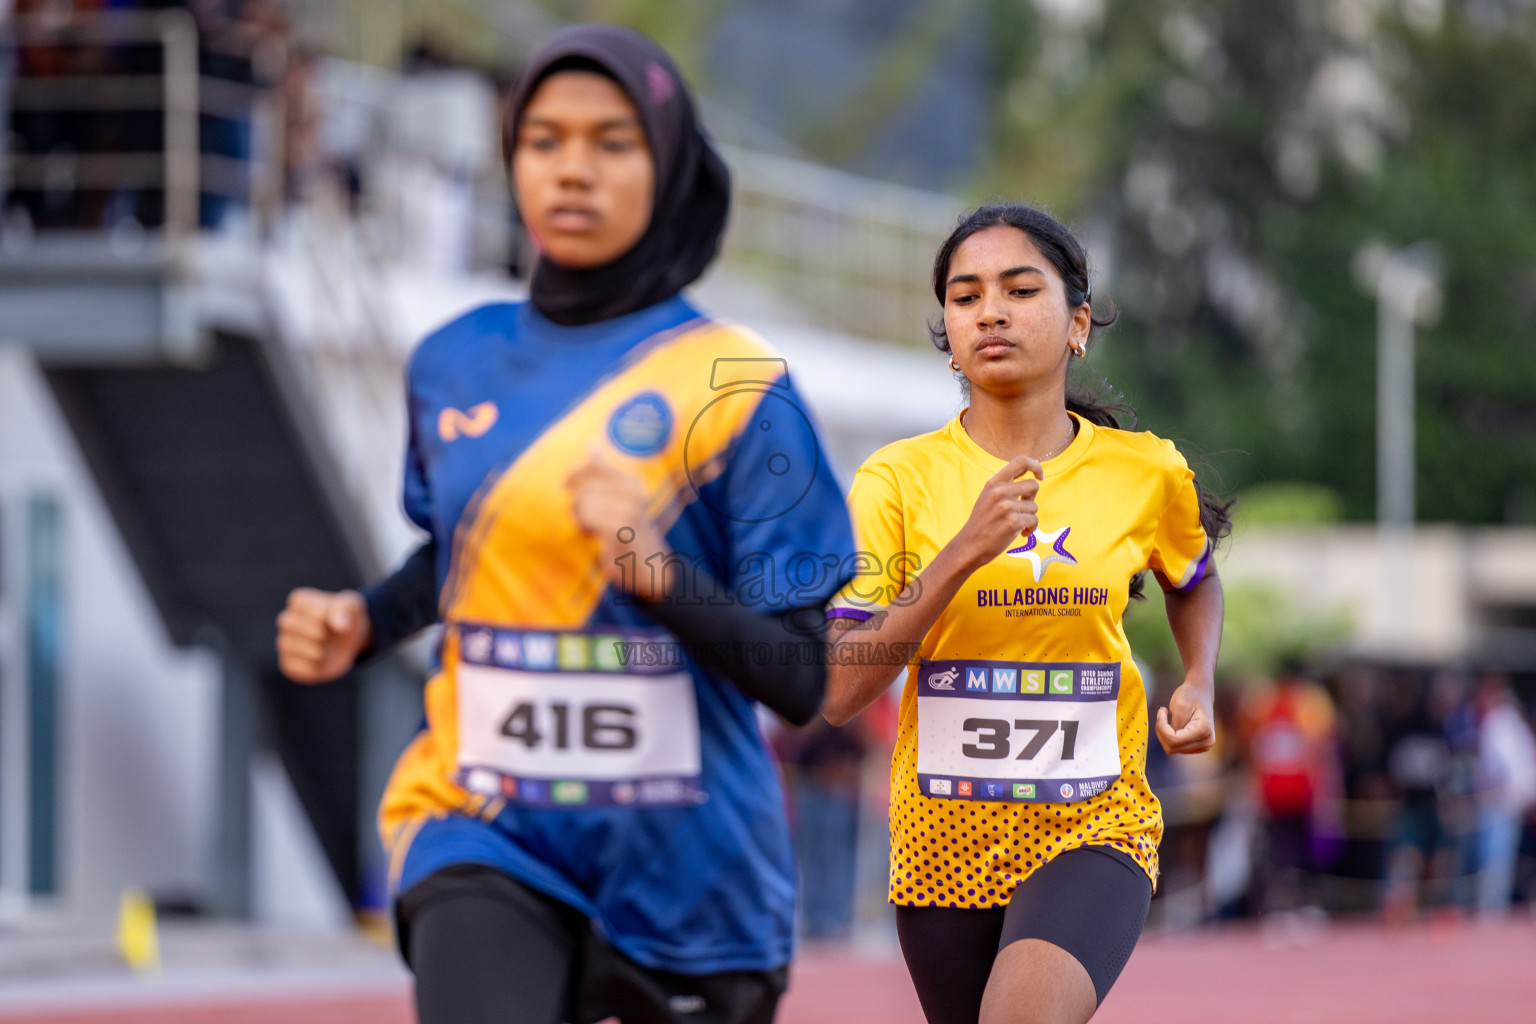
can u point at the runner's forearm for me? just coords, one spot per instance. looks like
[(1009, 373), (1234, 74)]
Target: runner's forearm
[(1195, 620), (403, 603), (853, 687)]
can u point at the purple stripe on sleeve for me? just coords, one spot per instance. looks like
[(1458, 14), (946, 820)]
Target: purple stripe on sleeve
[(1197, 571), (850, 613)]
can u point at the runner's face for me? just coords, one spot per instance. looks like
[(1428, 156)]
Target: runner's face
[(582, 170), (1006, 316)]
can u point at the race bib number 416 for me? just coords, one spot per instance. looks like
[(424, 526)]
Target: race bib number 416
[(566, 720), (1017, 731)]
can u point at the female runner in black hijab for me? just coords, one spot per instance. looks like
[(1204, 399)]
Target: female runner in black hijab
[(693, 189), (589, 826)]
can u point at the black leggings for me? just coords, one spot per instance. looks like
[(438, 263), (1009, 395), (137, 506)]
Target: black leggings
[(1091, 902), (486, 949), (480, 957)]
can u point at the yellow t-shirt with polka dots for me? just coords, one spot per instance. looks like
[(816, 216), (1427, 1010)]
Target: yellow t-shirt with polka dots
[(1112, 504)]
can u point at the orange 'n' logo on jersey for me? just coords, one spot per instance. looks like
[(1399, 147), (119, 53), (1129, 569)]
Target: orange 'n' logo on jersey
[(452, 424)]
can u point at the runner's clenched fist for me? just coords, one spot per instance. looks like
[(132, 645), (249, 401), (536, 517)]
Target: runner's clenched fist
[(1005, 509), (320, 634)]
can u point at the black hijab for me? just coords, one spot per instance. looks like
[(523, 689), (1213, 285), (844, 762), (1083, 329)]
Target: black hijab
[(693, 187)]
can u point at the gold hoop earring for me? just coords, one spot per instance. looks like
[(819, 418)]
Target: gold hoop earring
[(1080, 350), (954, 366)]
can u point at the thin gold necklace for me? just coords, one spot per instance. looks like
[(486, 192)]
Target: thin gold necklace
[(1047, 455), (1065, 445)]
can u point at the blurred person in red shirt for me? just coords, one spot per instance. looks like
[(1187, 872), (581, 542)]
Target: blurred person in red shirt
[(1289, 728)]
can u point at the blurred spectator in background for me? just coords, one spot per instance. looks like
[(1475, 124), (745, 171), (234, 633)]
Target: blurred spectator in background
[(224, 130), (440, 129), (824, 765), (1371, 799), (301, 128), (1418, 765), (1451, 693), (51, 199), (1227, 871), (834, 778), (1290, 731), (7, 76), (1192, 791), (82, 157), (1507, 762)]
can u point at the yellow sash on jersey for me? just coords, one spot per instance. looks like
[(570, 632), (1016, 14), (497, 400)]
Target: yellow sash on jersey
[(521, 559)]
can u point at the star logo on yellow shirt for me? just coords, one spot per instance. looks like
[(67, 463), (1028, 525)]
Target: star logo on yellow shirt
[(1043, 549)]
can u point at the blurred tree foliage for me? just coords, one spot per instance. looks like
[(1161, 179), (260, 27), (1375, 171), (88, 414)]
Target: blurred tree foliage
[(1287, 503), (1227, 161), (682, 28), (1263, 629)]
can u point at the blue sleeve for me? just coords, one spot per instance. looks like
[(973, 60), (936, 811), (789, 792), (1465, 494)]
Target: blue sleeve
[(788, 536), (417, 493), (404, 602), (788, 548)]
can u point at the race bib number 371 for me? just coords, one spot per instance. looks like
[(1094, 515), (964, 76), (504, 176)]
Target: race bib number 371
[(1017, 731), (566, 719)]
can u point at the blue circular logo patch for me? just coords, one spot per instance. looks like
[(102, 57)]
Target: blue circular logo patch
[(641, 425)]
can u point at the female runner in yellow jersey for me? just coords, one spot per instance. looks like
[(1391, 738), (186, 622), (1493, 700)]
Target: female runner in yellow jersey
[(1005, 546)]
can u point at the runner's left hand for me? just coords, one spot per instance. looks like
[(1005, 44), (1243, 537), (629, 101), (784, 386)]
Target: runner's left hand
[(1187, 724), (613, 506)]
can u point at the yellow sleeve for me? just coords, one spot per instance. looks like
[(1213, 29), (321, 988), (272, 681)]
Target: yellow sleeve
[(881, 565), (1181, 553)]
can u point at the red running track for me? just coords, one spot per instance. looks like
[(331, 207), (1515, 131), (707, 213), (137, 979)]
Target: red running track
[(1351, 974)]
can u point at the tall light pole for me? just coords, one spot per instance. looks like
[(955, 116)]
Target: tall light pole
[(1406, 283)]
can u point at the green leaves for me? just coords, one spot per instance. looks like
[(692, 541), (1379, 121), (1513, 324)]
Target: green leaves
[(1226, 161), (1265, 627)]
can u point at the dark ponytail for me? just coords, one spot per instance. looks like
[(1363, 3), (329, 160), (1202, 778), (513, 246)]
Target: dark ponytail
[(1066, 254)]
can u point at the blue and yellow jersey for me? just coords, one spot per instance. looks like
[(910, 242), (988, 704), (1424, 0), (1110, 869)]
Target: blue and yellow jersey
[(570, 741), (1023, 723)]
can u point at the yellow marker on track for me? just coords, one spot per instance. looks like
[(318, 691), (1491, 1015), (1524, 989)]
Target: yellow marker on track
[(138, 940)]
